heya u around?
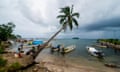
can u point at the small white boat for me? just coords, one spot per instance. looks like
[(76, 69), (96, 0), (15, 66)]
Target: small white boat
[(94, 52), (69, 48)]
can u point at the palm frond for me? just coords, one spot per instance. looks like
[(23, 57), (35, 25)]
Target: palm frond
[(68, 17), (72, 9), (76, 14), (61, 16), (62, 20), (63, 10), (70, 24), (75, 22)]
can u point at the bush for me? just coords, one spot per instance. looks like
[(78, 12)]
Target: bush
[(3, 70), (3, 62), (1, 50), (13, 67)]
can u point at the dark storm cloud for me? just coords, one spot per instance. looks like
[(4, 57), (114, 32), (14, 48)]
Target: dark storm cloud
[(103, 25)]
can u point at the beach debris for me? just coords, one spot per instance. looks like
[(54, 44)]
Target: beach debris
[(112, 65)]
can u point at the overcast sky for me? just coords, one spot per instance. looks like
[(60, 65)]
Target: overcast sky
[(37, 18)]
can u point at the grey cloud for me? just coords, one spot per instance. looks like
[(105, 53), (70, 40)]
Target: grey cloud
[(103, 25), (21, 13), (36, 14)]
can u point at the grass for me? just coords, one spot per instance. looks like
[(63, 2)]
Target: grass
[(14, 66), (3, 62)]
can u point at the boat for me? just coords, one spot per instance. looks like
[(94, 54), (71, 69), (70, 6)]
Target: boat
[(54, 49), (68, 49), (49, 45), (57, 48), (94, 51), (37, 42)]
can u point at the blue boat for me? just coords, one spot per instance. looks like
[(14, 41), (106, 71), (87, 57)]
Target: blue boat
[(37, 42)]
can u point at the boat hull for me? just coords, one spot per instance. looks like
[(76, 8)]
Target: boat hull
[(94, 52), (69, 49)]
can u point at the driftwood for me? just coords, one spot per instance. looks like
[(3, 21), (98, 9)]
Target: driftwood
[(111, 65)]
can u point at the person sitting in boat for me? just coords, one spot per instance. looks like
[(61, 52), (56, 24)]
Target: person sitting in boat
[(58, 46)]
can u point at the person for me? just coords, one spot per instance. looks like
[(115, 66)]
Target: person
[(38, 47), (58, 46), (18, 53), (52, 49), (62, 50), (33, 50), (19, 49), (21, 46)]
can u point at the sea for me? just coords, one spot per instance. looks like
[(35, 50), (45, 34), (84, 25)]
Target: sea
[(80, 55)]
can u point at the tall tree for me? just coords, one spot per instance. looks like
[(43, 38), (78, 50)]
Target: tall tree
[(67, 19), (6, 31)]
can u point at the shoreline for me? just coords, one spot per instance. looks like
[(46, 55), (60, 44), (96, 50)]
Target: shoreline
[(60, 65)]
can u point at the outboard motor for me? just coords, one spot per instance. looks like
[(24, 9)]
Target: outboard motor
[(100, 54)]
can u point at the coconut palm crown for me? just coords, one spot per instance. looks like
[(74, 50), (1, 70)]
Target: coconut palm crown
[(68, 18)]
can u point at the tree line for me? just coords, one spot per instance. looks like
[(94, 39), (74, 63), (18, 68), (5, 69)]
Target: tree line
[(6, 31), (113, 41)]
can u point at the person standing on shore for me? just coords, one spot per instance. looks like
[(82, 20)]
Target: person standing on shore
[(62, 50), (59, 47)]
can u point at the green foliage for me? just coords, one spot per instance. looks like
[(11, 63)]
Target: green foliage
[(3, 62), (3, 70), (68, 17), (14, 66), (1, 50), (114, 41), (18, 36), (6, 31)]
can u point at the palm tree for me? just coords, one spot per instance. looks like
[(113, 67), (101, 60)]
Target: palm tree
[(68, 18)]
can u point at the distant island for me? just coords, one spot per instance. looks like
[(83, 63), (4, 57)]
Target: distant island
[(75, 38)]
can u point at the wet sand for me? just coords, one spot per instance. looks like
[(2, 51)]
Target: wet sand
[(58, 64)]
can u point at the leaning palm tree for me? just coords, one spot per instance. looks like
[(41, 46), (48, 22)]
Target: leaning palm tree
[(68, 18)]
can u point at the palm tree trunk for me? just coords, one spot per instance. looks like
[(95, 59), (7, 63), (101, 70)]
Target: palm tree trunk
[(45, 44), (54, 36)]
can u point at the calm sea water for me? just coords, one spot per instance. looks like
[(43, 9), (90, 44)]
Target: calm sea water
[(80, 54)]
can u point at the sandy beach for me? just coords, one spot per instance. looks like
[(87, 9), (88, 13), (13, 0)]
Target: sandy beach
[(54, 64)]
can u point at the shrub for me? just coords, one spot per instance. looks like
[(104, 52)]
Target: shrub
[(14, 66), (3, 62), (2, 69), (1, 50)]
